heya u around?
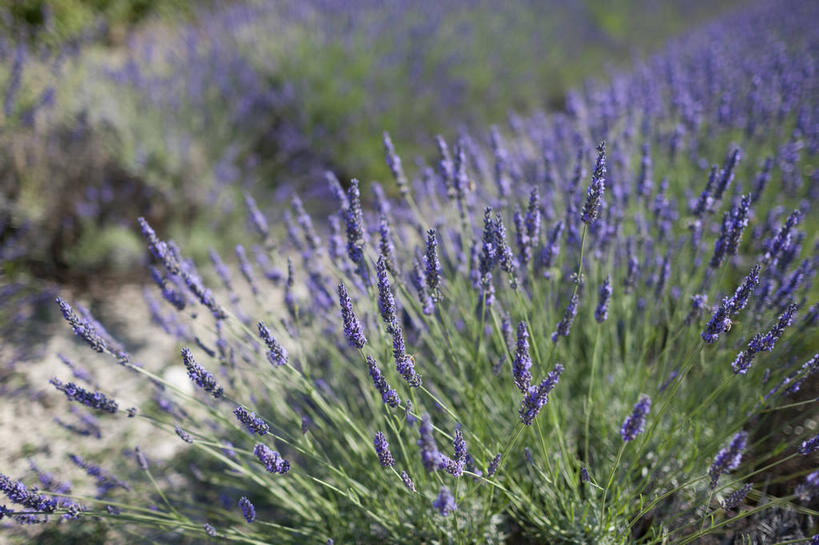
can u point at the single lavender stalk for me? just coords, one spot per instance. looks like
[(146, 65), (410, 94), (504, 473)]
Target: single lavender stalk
[(386, 300), (95, 400), (494, 463), (432, 266), (743, 292), (634, 424), (782, 240), (445, 502), (246, 269), (733, 499), (200, 376), (256, 217), (388, 395), (394, 162), (407, 481), (594, 195), (86, 329), (382, 448), (706, 199), (455, 466), (248, 511), (185, 436), (533, 217), (505, 258), (271, 459), (565, 324), (277, 355), (601, 313), (253, 423), (727, 174), (766, 342), (537, 396), (404, 363), (728, 458), (431, 457), (523, 362), (17, 492), (352, 327), (386, 246), (809, 488), (306, 224)]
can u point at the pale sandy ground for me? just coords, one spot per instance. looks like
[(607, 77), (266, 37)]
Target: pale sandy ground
[(27, 427)]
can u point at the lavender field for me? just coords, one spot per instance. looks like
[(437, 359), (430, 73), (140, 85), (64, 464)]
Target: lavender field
[(390, 272)]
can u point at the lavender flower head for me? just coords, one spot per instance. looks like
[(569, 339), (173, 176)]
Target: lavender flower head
[(248, 511), (352, 327), (388, 395), (728, 458), (523, 362), (565, 324), (733, 499), (537, 396), (809, 445), (200, 376), (445, 502), (404, 363), (271, 459), (386, 300), (432, 265), (494, 463), (601, 313), (407, 481), (634, 424), (382, 448), (253, 423), (277, 355), (594, 195), (95, 400), (809, 488), (431, 457)]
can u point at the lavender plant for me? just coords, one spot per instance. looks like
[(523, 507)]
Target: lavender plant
[(402, 407)]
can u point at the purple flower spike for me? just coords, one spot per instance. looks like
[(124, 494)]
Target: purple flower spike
[(248, 511), (537, 396), (601, 313), (352, 327), (382, 448), (634, 423), (277, 355), (388, 395), (445, 502), (728, 458), (522, 362), (200, 376), (594, 195), (95, 400), (253, 423), (271, 459), (564, 325)]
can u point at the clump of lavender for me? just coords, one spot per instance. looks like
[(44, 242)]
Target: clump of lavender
[(728, 458), (634, 424), (200, 376), (382, 448)]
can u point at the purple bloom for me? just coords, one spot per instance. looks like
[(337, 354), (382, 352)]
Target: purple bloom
[(142, 461), (433, 266), (733, 223), (594, 195), (277, 355), (727, 173), (271, 459), (584, 475), (95, 400), (602, 310), (740, 298), (209, 529), (445, 502), (248, 511), (253, 423), (522, 362), (733, 499), (809, 488), (90, 331), (455, 466), (246, 269), (17, 492), (809, 445), (782, 240), (766, 342), (431, 457), (407, 481), (494, 463), (706, 199), (258, 219), (185, 436), (386, 300), (382, 448), (537, 396), (634, 424), (306, 224), (404, 363), (505, 258), (388, 395), (386, 246), (564, 325), (394, 162), (552, 247), (352, 328), (200, 376), (728, 458)]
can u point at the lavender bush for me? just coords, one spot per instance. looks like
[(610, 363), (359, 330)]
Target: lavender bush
[(577, 330)]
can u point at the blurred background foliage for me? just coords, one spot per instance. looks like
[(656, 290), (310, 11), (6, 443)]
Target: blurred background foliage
[(169, 109)]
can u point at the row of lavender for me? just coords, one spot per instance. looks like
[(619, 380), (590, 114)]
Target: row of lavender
[(561, 332)]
